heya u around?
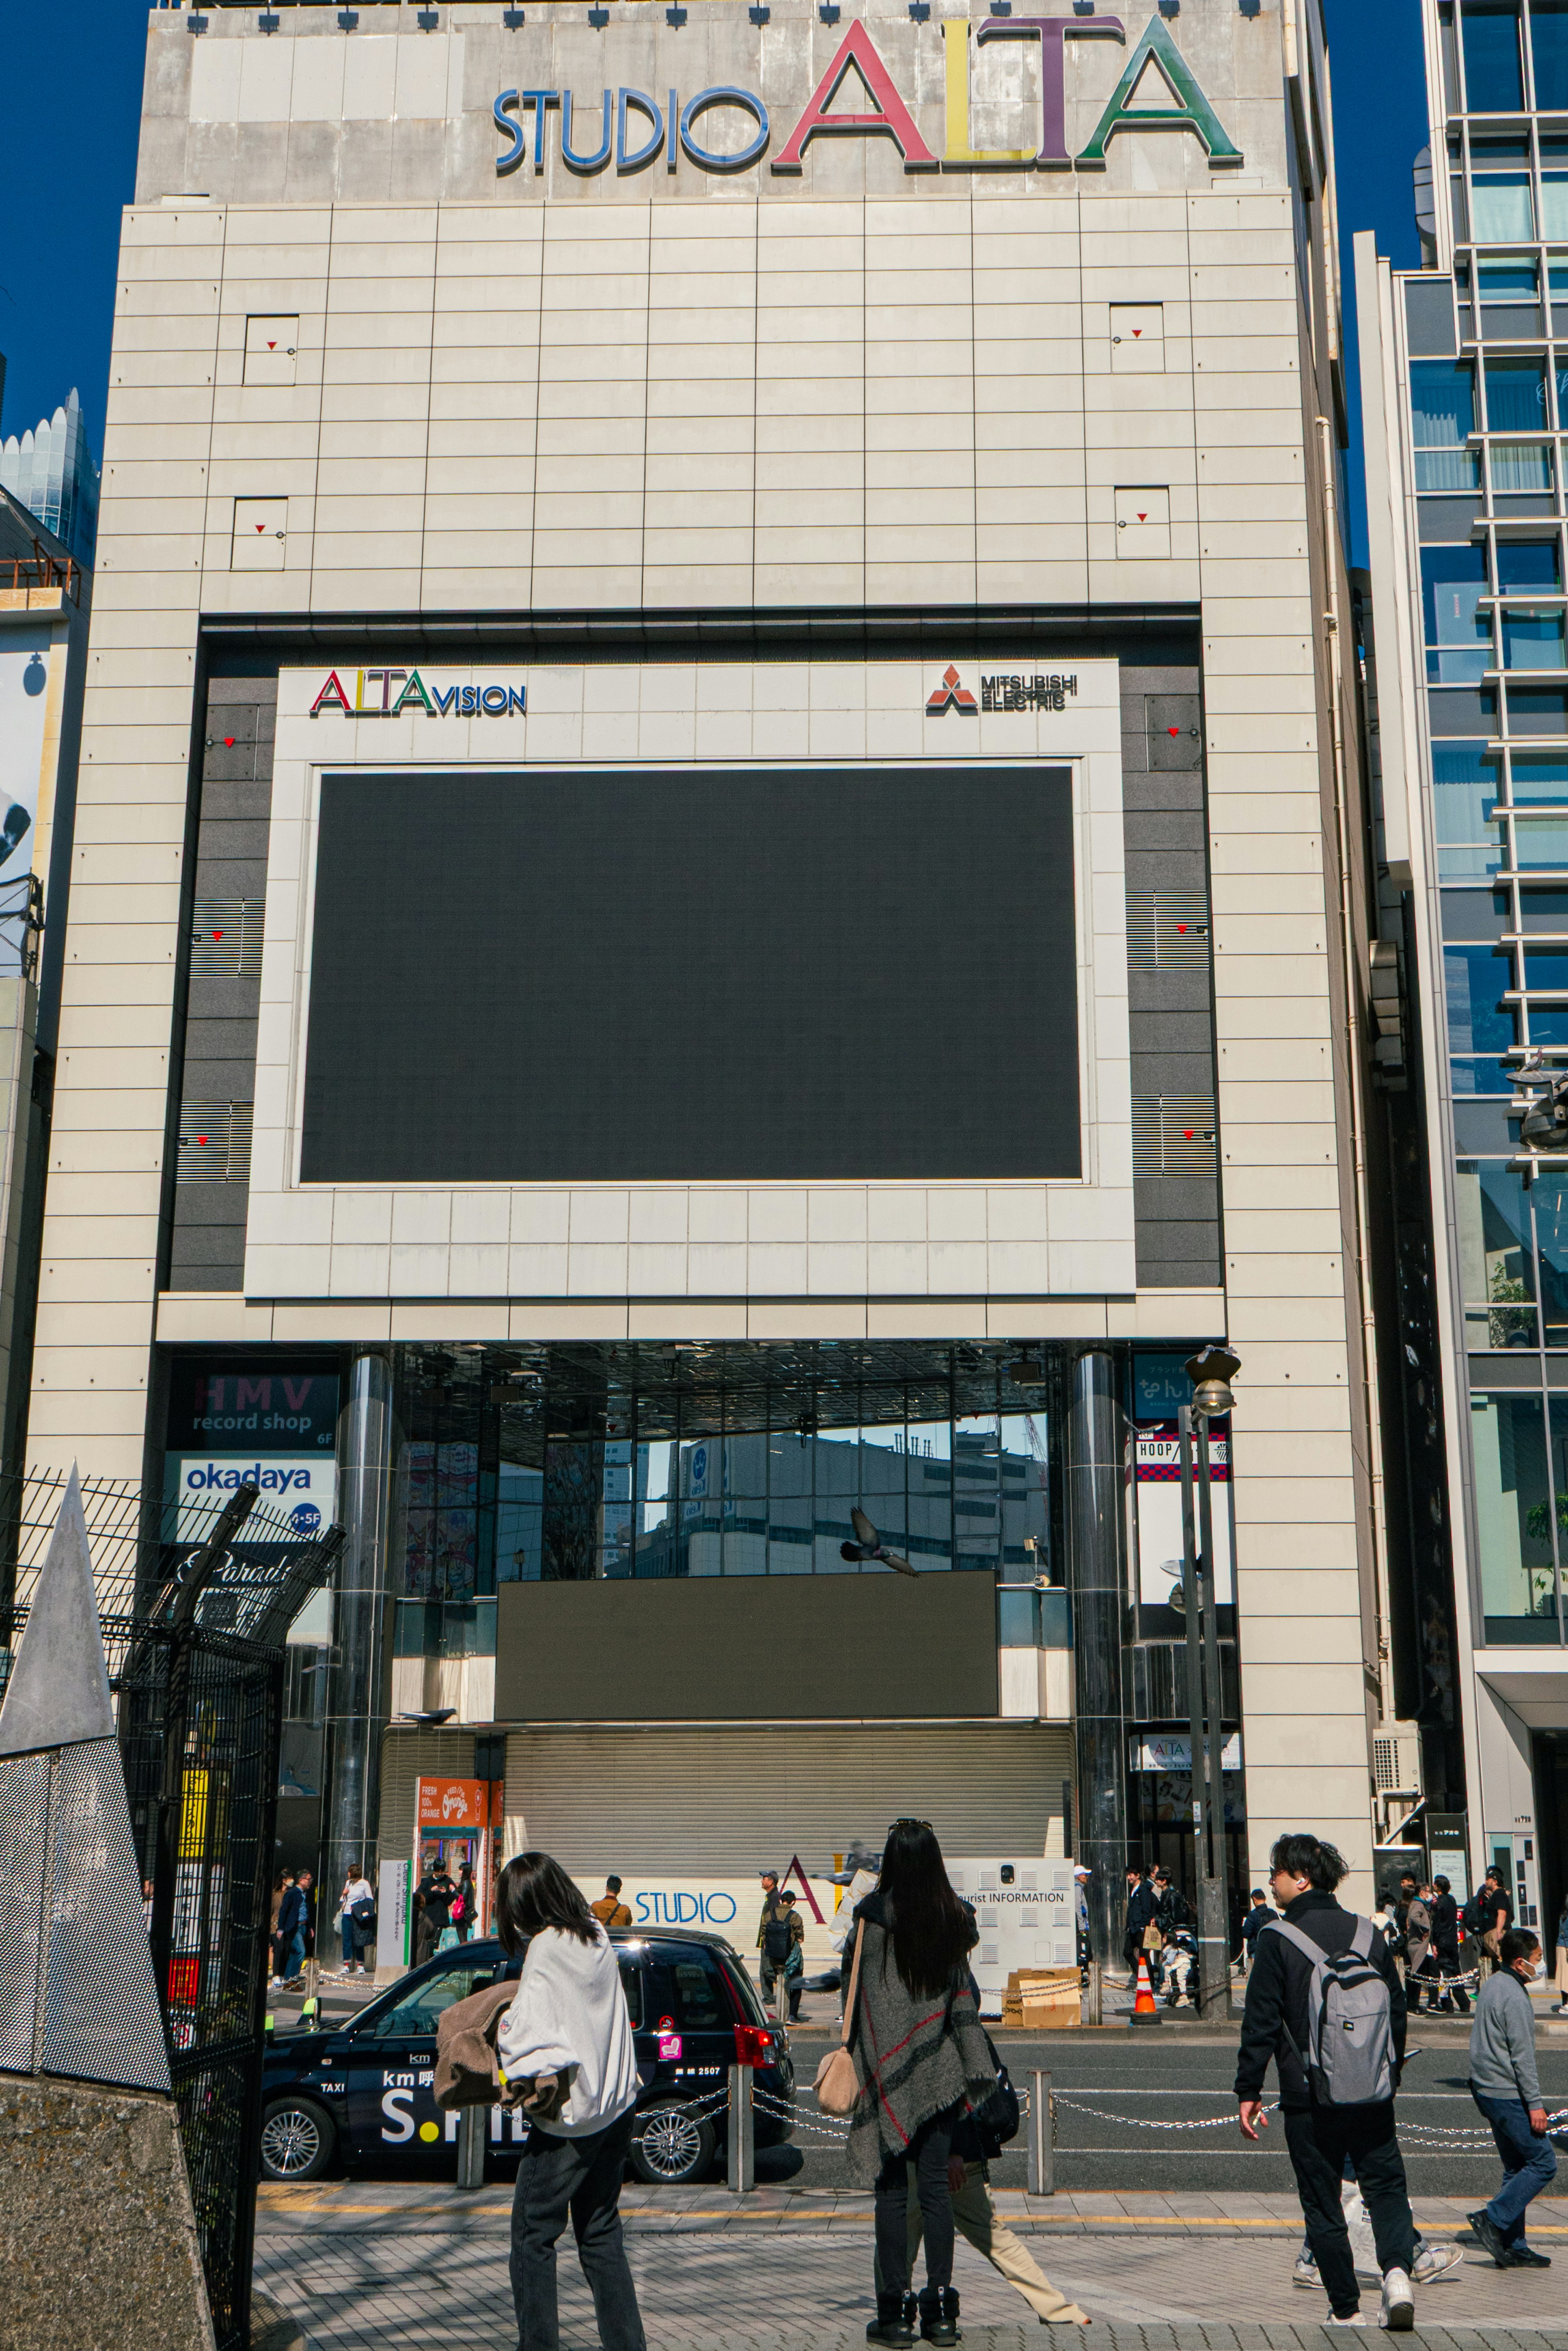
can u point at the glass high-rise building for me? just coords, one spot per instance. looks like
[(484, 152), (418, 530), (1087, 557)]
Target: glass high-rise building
[(1465, 393)]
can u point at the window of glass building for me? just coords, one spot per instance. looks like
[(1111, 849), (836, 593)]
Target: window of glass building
[(1543, 910), (1490, 42), (1539, 843), (1501, 212), (1516, 395), (1549, 1201), (1549, 57), (1532, 639), (1514, 1515), (1496, 1262), (1443, 414), (1529, 563), (1466, 789), (1454, 583), (1477, 979)]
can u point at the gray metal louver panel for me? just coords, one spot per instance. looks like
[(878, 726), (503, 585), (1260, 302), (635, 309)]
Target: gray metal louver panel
[(23, 1843), (215, 1142), (1174, 1134), (226, 937), (102, 2019), (1167, 930)]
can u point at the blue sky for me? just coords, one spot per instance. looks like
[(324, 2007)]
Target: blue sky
[(67, 163)]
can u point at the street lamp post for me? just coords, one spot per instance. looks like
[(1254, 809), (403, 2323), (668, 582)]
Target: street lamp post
[(1210, 1372)]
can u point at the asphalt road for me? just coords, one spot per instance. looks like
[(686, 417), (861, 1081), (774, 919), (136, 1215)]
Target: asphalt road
[(1170, 2074), (1171, 2077)]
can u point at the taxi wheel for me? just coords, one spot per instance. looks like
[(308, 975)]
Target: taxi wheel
[(297, 2140), (671, 2144)]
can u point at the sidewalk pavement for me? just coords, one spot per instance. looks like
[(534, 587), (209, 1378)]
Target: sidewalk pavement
[(365, 2266)]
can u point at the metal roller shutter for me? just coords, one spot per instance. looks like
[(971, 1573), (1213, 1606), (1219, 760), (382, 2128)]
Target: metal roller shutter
[(727, 1802), (407, 1756)]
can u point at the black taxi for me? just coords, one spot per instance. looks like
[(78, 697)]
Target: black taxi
[(362, 2093)]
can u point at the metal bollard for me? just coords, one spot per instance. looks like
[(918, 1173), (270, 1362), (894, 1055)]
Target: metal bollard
[(742, 2136), (471, 2124), (1041, 2136), (1094, 1995)]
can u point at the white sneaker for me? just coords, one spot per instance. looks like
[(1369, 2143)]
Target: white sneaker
[(1355, 2319), (1398, 2311), (1305, 2272), (1434, 2262)]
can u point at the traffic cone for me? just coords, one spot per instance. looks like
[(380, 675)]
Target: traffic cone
[(1144, 2003)]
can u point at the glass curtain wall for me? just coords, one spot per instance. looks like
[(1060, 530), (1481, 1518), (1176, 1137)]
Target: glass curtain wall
[(562, 1465), (1486, 433)]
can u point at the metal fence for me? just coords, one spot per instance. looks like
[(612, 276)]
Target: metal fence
[(195, 1600)]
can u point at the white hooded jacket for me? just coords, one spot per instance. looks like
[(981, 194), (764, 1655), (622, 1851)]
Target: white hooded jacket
[(571, 2011)]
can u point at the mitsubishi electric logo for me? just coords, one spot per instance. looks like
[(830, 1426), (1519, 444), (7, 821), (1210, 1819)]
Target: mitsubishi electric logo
[(1049, 691), (951, 695)]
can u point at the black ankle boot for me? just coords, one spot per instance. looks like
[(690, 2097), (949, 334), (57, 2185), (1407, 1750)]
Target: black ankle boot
[(939, 2315), (894, 2320)]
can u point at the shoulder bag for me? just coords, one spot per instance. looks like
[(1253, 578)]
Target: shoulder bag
[(837, 2084)]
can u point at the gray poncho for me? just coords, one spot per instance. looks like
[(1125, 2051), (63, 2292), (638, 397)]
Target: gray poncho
[(913, 2057)]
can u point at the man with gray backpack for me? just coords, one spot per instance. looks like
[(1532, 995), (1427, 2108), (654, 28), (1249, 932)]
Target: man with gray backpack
[(1325, 2002)]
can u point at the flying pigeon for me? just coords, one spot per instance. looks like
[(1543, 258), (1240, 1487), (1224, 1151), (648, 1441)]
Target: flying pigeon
[(871, 1546)]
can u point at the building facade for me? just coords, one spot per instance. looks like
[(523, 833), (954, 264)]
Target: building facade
[(1463, 393), (723, 880)]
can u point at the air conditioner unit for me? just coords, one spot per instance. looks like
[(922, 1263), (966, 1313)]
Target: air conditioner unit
[(1396, 1763)]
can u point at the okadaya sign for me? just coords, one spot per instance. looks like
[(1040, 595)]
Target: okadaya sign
[(298, 1488), (634, 130)]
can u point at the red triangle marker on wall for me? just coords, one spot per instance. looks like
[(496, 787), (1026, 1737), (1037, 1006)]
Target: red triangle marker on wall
[(228, 742), (1136, 332), (261, 526), (1181, 931), (217, 934), (272, 346), (1187, 1134), (1173, 730)]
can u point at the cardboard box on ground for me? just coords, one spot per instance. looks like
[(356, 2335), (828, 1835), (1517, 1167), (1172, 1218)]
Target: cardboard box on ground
[(1042, 2000)]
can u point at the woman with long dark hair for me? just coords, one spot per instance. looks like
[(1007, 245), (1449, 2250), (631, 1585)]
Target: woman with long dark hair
[(921, 2056), (568, 2036)]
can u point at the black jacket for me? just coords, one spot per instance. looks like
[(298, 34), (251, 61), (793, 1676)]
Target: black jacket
[(1445, 1923), (1172, 1910), (1141, 1907), (1277, 1999)]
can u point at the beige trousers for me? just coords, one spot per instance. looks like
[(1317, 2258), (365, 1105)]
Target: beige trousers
[(975, 2217)]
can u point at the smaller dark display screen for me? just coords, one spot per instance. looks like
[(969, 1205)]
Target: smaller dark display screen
[(712, 974)]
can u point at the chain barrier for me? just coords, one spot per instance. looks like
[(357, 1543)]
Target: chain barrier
[(1438, 2137)]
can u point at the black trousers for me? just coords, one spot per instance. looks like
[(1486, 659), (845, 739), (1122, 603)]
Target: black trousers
[(928, 2151), (580, 2177), (1319, 2140)]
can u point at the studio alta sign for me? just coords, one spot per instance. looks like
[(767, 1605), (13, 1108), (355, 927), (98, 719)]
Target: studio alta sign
[(634, 130)]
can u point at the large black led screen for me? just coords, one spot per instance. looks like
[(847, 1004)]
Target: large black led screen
[(717, 973)]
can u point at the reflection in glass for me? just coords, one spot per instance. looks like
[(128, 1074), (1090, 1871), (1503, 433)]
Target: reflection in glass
[(1488, 37), (1529, 563), (1549, 57), (1531, 640), (1539, 779), (1443, 415), (1453, 582), (1516, 397), (1513, 1513), (1478, 1022), (1496, 1261), (1550, 1201), (1543, 910)]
